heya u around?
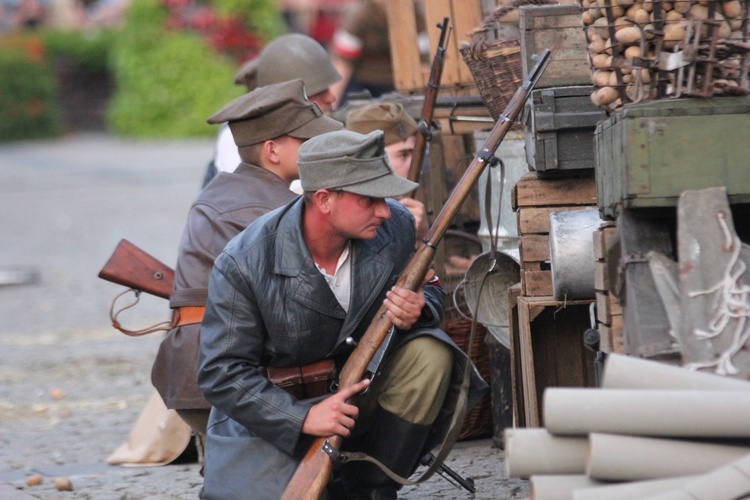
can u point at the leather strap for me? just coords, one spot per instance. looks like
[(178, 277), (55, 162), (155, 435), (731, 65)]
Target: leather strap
[(187, 315)]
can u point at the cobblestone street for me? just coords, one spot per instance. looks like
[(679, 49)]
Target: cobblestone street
[(71, 386)]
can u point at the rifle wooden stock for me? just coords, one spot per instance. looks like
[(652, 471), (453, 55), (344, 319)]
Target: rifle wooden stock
[(310, 479), (132, 267), (428, 108)]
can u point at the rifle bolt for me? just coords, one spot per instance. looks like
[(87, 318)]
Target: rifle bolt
[(350, 341)]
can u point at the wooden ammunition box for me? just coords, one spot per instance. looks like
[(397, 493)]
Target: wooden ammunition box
[(560, 123), (558, 28), (647, 154)]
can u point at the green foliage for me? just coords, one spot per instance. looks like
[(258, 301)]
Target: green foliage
[(263, 15), (167, 84), (28, 105), (89, 51)]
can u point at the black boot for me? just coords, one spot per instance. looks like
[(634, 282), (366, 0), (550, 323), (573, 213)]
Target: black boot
[(396, 443)]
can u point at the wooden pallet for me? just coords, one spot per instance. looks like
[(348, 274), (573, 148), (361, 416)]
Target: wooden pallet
[(609, 320), (533, 198), (409, 72)]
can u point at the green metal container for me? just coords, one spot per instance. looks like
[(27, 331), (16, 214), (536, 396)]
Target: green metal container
[(647, 154)]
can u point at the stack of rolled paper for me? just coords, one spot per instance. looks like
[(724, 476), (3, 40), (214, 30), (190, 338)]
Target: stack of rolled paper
[(651, 431)]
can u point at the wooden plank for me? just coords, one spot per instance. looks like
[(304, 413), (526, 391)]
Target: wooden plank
[(530, 190), (534, 247), (619, 339), (466, 15), (602, 308), (435, 11), (536, 219), (605, 337), (600, 276), (615, 308), (536, 283), (402, 33), (600, 248), (528, 377), (519, 416)]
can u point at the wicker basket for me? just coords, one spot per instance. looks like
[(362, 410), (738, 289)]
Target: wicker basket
[(495, 64), (477, 422)]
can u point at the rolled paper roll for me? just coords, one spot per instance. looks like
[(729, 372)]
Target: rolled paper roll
[(535, 451), (630, 372), (559, 487), (660, 413), (629, 490), (729, 482), (630, 458)]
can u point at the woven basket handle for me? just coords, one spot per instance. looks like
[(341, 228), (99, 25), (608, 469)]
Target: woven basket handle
[(478, 35)]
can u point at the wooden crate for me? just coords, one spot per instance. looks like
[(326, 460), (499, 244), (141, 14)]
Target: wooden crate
[(410, 72), (550, 349), (558, 28), (560, 124), (533, 198), (648, 153), (609, 321)]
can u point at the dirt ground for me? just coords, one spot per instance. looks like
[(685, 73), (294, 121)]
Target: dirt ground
[(71, 386)]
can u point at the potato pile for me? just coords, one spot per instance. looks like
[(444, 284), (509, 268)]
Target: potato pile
[(626, 37)]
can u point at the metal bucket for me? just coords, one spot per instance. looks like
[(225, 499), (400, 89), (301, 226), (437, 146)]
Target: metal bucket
[(571, 242), (489, 300)]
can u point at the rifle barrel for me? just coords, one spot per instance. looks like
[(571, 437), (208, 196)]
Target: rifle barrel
[(428, 107)]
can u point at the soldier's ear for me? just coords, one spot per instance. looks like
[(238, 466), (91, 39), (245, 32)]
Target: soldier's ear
[(323, 199), (269, 151)]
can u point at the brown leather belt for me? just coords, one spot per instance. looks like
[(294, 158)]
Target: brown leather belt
[(187, 315)]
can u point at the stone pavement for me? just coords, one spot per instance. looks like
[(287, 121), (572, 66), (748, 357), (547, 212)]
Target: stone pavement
[(71, 386)]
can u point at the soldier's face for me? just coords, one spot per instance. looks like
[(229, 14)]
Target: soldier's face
[(400, 154), (324, 100), (357, 217)]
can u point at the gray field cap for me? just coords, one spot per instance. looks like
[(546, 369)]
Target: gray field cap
[(390, 117), (274, 111), (351, 162)]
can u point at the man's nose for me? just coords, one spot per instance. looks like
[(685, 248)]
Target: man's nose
[(382, 211)]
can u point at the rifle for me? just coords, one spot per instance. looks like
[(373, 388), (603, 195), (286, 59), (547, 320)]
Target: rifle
[(134, 268), (428, 107), (312, 474)]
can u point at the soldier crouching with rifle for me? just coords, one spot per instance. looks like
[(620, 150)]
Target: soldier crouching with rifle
[(301, 284)]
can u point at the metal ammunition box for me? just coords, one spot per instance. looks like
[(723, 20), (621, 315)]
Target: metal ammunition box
[(647, 154)]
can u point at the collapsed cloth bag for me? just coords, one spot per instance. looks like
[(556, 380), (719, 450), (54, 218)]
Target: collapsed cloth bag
[(158, 437)]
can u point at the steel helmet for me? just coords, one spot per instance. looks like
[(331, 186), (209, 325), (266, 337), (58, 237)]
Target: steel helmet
[(289, 57)]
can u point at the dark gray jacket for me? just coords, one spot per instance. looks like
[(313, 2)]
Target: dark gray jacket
[(269, 305), (226, 206)]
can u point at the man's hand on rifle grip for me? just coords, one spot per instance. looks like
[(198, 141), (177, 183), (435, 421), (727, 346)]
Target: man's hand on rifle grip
[(403, 306), (333, 415)]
